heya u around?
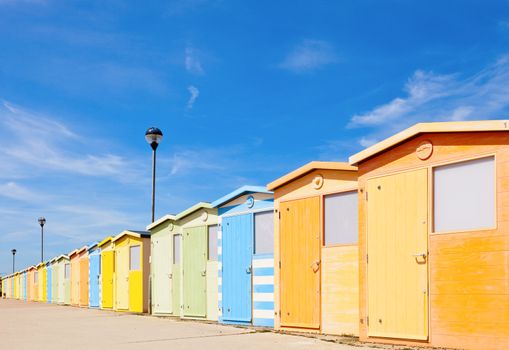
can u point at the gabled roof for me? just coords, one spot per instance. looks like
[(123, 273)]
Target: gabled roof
[(239, 192), (437, 127), (41, 264), (77, 251), (309, 167), (138, 234), (161, 221), (92, 246), (105, 241), (192, 209), (31, 268), (62, 257)]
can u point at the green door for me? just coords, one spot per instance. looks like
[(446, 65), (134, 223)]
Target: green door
[(194, 271)]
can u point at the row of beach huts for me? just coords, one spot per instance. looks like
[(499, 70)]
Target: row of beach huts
[(408, 243)]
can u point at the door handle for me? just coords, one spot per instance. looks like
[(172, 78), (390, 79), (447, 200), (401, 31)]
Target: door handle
[(248, 270), (315, 265), (204, 273), (419, 255)]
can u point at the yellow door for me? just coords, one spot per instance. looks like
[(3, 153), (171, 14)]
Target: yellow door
[(107, 278), (135, 279), (397, 256), (300, 263), (122, 277)]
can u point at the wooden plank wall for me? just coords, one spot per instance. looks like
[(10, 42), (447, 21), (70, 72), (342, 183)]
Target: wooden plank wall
[(469, 271), (302, 187), (340, 290)]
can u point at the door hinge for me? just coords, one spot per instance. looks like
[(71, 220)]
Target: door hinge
[(280, 264), (366, 195), (367, 320), (279, 215), (367, 259)]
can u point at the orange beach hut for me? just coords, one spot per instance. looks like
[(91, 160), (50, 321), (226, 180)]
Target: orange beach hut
[(434, 236)]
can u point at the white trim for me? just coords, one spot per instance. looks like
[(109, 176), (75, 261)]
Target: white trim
[(268, 314), (263, 297), (263, 280)]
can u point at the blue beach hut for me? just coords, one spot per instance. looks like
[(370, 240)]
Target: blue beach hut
[(246, 256), (94, 275)]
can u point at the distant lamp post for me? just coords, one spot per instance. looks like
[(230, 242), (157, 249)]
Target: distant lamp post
[(153, 137), (13, 260), (42, 221)]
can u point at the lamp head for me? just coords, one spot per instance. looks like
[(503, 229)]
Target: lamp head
[(42, 221), (153, 136)]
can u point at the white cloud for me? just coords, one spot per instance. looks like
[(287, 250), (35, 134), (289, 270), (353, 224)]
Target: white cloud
[(13, 190), (192, 61), (309, 55), (193, 90), (45, 143), (421, 88), (435, 97)]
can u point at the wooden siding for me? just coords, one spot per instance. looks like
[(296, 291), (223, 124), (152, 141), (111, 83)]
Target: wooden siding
[(302, 187), (340, 290), (194, 262), (469, 296), (300, 263), (162, 274), (84, 269)]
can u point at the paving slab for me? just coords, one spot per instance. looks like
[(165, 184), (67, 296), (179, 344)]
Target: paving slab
[(32, 325)]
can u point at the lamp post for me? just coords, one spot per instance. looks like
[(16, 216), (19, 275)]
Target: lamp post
[(13, 251), (42, 221), (153, 137)]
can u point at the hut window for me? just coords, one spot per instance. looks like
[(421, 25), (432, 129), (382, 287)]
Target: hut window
[(134, 258), (464, 195), (341, 218), (176, 248), (213, 242), (264, 232), (67, 271)]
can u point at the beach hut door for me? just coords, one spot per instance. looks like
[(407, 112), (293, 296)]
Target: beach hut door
[(95, 263), (108, 263), (195, 268), (122, 275), (300, 263), (398, 256), (237, 251), (162, 277)]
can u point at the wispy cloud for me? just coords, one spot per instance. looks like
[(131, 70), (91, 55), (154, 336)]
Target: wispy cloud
[(192, 61), (46, 145), (309, 55), (18, 192), (193, 90), (440, 97)]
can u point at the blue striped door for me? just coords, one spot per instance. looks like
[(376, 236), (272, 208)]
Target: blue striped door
[(93, 283), (237, 251)]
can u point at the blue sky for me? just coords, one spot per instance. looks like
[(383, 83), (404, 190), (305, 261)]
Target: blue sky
[(244, 92)]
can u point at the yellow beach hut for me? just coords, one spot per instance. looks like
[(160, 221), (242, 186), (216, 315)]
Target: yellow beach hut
[(41, 282), (132, 269), (107, 273)]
